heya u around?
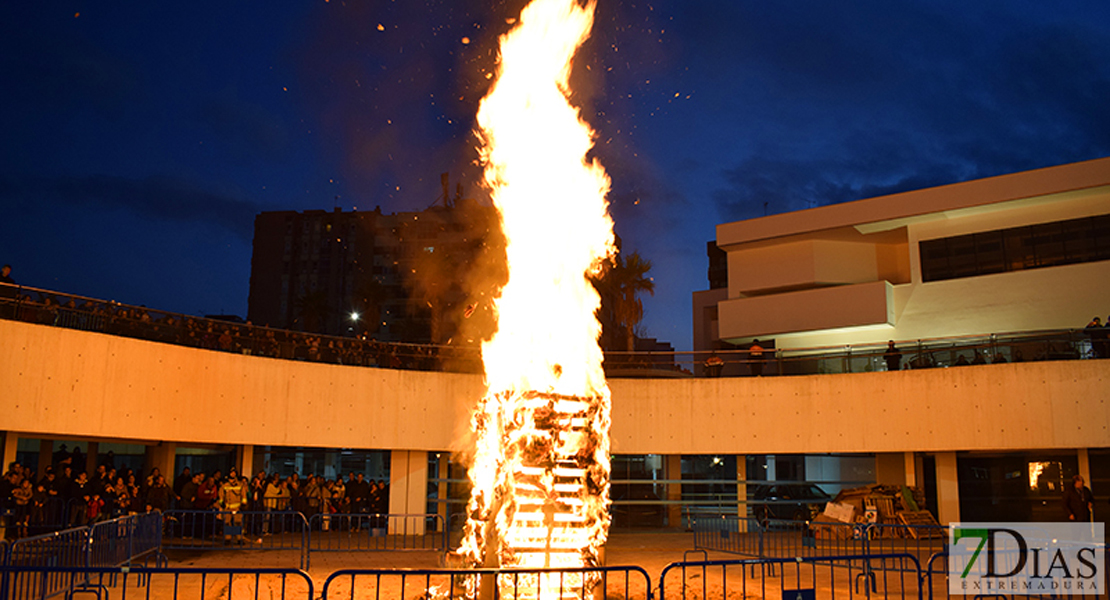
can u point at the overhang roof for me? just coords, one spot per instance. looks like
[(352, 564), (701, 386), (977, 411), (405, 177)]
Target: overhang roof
[(885, 212)]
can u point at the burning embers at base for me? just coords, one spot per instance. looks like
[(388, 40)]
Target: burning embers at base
[(548, 506), (540, 472)]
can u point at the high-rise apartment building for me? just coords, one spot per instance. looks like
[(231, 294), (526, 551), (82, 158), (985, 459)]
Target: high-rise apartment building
[(410, 276)]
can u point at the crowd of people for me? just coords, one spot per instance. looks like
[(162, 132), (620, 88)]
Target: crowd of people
[(227, 336), (66, 496)]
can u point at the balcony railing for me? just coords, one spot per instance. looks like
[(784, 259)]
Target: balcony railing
[(72, 311)]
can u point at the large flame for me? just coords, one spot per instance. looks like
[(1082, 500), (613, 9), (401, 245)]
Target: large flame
[(541, 469)]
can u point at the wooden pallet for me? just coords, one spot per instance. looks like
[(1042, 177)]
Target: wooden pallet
[(921, 524)]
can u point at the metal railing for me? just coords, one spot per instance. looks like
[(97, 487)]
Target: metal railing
[(72, 311), (236, 530), (177, 583), (376, 532), (788, 539), (619, 582), (125, 539), (880, 575), (58, 550)]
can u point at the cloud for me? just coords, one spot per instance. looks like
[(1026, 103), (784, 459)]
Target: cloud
[(248, 129), (951, 101), (156, 197)]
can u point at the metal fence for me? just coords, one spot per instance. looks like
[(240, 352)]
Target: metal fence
[(123, 540), (343, 532), (61, 309), (236, 530), (867, 576), (787, 539), (51, 553), (169, 583), (778, 538), (626, 582)]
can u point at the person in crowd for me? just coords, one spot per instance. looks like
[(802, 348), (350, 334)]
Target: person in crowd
[(357, 490), (158, 496), (7, 284), (713, 365), (1099, 335), (755, 358), (312, 494), (232, 496), (339, 502), (21, 513), (77, 498), (892, 357), (179, 483), (94, 509), (1078, 501), (121, 498)]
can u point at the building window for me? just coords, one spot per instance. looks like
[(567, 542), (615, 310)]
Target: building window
[(1016, 249)]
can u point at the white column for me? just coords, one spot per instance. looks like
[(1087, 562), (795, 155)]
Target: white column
[(408, 490), (674, 490), (245, 460), (911, 468), (948, 488), (10, 441)]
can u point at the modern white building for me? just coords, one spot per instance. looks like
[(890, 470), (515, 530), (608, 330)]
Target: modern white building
[(1021, 252)]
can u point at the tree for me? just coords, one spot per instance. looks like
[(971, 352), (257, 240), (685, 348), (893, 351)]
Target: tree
[(620, 287)]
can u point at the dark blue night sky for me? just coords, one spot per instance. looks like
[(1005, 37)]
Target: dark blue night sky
[(140, 139)]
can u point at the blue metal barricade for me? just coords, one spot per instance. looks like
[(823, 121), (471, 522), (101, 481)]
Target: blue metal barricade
[(778, 538), (922, 541), (60, 550), (124, 540), (789, 539), (236, 530), (185, 583), (342, 532), (624, 582), (852, 576), (728, 533)]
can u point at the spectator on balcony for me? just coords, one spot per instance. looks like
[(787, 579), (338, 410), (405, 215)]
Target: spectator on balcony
[(893, 357), (755, 358), (225, 341), (713, 365), (9, 290), (1098, 334)]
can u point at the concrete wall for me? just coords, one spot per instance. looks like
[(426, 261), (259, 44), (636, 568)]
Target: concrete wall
[(800, 265), (73, 383), (864, 304)]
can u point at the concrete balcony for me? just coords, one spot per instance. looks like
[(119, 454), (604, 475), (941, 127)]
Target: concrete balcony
[(821, 309)]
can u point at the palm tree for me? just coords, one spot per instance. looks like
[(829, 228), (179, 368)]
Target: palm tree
[(620, 286)]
